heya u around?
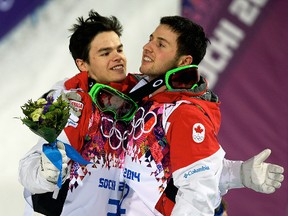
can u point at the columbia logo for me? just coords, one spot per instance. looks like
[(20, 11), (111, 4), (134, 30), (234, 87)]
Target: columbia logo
[(191, 172)]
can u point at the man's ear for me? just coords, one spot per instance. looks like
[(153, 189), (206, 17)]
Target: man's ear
[(185, 60), (81, 65)]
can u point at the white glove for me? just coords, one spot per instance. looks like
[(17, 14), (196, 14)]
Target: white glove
[(49, 171), (73, 98), (259, 176), (75, 102), (76, 106)]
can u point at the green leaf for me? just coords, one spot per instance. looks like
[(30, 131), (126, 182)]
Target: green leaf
[(29, 123), (49, 134)]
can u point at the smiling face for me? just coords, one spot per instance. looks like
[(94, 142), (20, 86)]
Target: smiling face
[(160, 53), (107, 62)]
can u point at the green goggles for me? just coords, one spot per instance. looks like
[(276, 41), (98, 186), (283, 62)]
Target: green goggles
[(108, 99), (185, 77)]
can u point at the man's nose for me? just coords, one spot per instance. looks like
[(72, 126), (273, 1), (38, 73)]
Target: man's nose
[(148, 47)]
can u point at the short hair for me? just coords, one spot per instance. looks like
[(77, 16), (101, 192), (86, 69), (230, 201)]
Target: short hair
[(191, 37), (85, 31)]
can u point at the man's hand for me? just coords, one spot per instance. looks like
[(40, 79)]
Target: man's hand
[(49, 171), (75, 102), (73, 98), (76, 106), (260, 176)]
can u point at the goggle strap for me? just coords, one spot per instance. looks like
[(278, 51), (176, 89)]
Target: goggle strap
[(147, 89), (91, 83)]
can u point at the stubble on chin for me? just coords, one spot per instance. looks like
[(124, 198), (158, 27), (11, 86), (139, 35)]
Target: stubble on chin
[(146, 70)]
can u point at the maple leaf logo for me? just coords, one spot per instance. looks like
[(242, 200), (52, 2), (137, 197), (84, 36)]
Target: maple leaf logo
[(198, 133), (198, 129)]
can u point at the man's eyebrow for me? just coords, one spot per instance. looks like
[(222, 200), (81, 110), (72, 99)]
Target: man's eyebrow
[(163, 39), (159, 38), (107, 49)]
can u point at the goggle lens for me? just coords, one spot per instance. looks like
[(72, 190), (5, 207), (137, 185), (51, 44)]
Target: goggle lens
[(108, 99), (185, 77)]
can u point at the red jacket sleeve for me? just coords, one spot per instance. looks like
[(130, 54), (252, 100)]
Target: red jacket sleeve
[(191, 136)]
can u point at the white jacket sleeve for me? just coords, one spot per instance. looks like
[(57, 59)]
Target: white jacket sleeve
[(230, 176), (198, 191), (29, 175)]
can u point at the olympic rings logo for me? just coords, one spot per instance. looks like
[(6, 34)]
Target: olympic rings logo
[(140, 123), (136, 126), (121, 136)]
